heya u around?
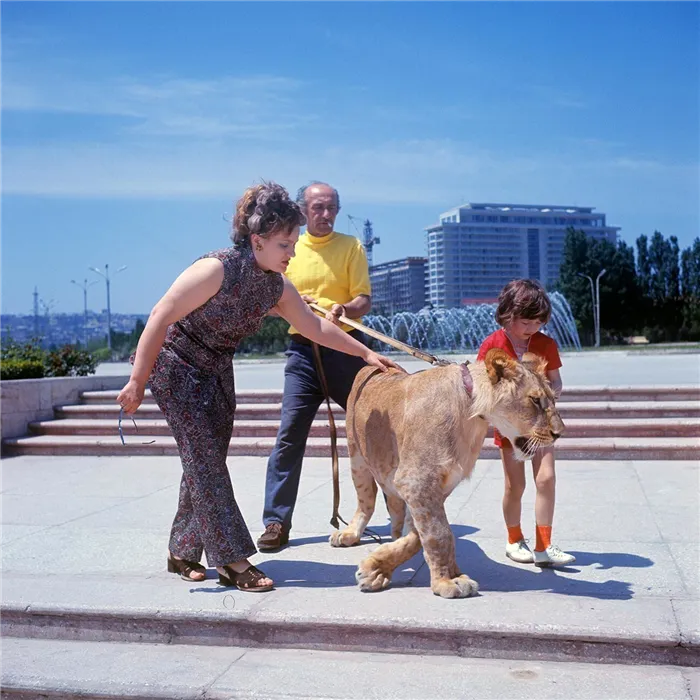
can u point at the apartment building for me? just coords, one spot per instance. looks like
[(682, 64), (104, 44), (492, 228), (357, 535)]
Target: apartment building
[(478, 247)]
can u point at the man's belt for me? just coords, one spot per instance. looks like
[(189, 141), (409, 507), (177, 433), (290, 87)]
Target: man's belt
[(298, 338)]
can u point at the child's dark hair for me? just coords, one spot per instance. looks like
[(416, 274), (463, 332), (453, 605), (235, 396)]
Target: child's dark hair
[(525, 299), (264, 209)]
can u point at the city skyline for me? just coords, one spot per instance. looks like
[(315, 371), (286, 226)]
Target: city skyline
[(129, 129)]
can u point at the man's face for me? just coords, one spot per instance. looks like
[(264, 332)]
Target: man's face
[(321, 210)]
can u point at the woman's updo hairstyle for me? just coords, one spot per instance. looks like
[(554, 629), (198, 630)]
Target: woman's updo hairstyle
[(264, 209)]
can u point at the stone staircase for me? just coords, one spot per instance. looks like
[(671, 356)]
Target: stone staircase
[(601, 423)]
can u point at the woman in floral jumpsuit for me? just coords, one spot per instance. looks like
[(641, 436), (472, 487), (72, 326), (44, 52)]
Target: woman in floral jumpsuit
[(185, 355)]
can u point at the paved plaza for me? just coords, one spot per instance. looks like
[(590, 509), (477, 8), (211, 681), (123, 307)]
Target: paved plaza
[(83, 558)]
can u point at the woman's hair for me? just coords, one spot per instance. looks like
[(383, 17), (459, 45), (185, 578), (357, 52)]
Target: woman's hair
[(525, 299), (265, 209)]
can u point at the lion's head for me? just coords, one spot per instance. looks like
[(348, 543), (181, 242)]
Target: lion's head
[(521, 402)]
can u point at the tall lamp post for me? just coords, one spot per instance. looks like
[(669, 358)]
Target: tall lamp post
[(595, 297), (84, 286), (105, 274)]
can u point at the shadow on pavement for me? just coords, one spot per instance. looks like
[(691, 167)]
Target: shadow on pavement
[(491, 574)]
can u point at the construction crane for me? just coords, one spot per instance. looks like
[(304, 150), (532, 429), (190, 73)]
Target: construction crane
[(367, 237)]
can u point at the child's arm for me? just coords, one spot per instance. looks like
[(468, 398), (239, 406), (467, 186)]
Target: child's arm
[(554, 378)]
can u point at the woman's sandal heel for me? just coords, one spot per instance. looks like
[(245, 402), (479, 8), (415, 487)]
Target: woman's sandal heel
[(185, 568), (246, 580)]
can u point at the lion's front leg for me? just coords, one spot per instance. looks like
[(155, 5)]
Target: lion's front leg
[(366, 489), (439, 546), (374, 572)]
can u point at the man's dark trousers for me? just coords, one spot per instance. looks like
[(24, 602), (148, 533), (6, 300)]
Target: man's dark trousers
[(303, 394)]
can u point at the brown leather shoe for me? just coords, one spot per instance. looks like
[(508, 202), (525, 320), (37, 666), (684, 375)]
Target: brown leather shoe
[(274, 537)]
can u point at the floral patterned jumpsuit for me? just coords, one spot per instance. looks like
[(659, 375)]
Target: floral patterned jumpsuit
[(192, 383)]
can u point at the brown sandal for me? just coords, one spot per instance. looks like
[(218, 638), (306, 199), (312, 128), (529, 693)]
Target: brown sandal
[(245, 581), (185, 568)]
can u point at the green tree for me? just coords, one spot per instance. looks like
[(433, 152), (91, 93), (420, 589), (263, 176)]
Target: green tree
[(619, 290), (575, 259), (659, 268), (690, 291)]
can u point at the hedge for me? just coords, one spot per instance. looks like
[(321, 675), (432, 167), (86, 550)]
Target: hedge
[(21, 369)]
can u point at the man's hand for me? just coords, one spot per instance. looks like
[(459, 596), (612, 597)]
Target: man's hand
[(337, 310), (308, 299)]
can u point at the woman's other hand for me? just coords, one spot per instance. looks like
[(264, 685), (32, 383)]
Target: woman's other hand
[(131, 396), (382, 362)]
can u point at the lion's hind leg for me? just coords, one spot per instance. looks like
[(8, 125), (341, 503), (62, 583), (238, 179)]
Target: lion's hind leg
[(366, 490), (374, 572), (397, 512)]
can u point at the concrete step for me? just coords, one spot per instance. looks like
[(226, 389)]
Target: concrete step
[(575, 394), (142, 444), (575, 427), (594, 410), (47, 668)]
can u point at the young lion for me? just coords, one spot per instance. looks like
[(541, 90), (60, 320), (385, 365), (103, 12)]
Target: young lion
[(418, 436)]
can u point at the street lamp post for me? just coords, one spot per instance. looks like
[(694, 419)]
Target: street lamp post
[(595, 298), (105, 274), (84, 286)]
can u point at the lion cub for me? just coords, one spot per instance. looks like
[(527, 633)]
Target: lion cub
[(417, 436)]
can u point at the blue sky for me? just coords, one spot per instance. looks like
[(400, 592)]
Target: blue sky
[(129, 129)]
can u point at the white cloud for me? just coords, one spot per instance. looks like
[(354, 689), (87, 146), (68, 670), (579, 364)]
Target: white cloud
[(259, 106)]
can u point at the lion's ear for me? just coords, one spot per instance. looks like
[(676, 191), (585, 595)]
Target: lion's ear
[(499, 365), (535, 363)]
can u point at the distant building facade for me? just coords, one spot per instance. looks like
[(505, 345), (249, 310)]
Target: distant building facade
[(399, 285), (477, 248)]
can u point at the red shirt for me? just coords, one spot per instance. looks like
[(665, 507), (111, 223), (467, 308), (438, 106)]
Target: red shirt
[(539, 344)]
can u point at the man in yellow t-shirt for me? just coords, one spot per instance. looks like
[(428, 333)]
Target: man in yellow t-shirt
[(331, 269)]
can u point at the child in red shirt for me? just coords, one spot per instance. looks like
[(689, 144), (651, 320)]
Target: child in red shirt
[(523, 308)]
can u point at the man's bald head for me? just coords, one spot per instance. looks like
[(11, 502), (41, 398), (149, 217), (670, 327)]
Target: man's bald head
[(320, 203)]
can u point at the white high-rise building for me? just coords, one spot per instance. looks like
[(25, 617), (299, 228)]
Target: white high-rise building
[(477, 248)]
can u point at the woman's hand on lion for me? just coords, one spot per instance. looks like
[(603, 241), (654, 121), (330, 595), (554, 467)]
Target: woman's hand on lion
[(381, 362)]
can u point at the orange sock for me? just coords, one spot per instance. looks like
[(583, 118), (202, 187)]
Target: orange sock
[(543, 537), (515, 534)]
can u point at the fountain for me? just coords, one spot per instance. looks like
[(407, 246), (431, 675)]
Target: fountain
[(464, 329)]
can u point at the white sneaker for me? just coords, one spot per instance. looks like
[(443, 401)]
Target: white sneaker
[(553, 556), (519, 552)]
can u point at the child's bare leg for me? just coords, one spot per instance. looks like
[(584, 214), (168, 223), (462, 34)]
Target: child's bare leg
[(545, 553), (514, 473), (545, 481)]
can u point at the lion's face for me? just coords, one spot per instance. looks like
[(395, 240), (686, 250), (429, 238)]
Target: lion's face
[(523, 403)]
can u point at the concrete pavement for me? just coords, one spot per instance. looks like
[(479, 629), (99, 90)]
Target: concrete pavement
[(84, 543)]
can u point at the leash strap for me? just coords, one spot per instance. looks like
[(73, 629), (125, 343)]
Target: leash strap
[(336, 519)]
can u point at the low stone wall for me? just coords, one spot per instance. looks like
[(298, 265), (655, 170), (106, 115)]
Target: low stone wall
[(25, 400)]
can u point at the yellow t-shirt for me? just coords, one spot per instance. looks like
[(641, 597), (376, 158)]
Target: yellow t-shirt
[(332, 269)]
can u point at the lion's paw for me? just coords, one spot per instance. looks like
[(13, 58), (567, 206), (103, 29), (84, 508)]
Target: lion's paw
[(343, 538), (459, 587), (370, 576)]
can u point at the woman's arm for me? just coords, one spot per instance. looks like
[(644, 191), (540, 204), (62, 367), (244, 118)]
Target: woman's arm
[(196, 285), (296, 312), (554, 378)]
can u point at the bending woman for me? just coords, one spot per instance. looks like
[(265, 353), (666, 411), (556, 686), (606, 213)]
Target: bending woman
[(185, 355)]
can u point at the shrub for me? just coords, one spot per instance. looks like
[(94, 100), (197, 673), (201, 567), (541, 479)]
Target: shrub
[(30, 361), (69, 362), (102, 354), (21, 369)]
